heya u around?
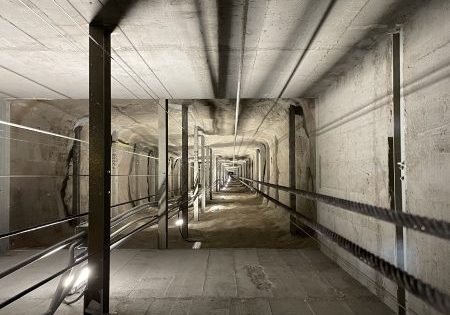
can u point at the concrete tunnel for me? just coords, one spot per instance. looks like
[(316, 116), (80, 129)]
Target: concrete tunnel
[(224, 157)]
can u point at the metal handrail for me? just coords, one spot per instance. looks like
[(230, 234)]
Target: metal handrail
[(82, 256), (44, 253), (131, 201), (42, 226)]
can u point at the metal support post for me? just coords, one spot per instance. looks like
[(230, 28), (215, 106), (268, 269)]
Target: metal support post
[(196, 214), (294, 224), (216, 173), (184, 170), (203, 172), (292, 174), (398, 164), (163, 186), (76, 172), (96, 298), (257, 173), (210, 172), (5, 169)]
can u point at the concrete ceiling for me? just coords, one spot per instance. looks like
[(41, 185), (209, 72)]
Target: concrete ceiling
[(189, 49), (180, 49)]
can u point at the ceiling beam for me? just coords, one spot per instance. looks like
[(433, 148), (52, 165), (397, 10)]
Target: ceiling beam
[(112, 12)]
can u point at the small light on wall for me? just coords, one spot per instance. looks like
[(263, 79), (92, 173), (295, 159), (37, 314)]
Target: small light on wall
[(179, 222), (84, 275), (68, 281)]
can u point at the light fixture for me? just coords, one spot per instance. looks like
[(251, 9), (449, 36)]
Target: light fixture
[(68, 281), (84, 275), (179, 222)]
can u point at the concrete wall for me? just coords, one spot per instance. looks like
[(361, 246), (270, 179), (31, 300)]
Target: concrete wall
[(4, 172), (304, 154), (353, 123), (426, 75), (41, 165)]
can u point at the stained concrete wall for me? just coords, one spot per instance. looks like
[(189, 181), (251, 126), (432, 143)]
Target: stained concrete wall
[(41, 165), (353, 123)]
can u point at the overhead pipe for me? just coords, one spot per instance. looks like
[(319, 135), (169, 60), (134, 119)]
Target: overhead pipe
[(241, 65)]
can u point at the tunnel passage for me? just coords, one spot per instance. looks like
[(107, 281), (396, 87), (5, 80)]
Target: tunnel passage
[(237, 157)]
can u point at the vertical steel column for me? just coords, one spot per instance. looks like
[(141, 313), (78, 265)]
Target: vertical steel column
[(155, 178), (76, 172), (163, 186), (396, 87), (191, 170), (184, 170), (257, 169), (214, 172), (5, 169), (210, 168), (218, 174), (149, 178), (96, 298), (204, 188), (196, 214), (292, 173)]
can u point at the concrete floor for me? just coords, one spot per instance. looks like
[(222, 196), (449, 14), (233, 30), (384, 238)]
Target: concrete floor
[(235, 218), (211, 281), (296, 279)]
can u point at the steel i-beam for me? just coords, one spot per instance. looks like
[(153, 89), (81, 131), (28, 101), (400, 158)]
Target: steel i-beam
[(196, 214), (96, 298), (184, 169), (203, 172), (163, 174)]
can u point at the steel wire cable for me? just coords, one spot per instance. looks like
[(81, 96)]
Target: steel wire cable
[(424, 291), (63, 137), (42, 226), (354, 268), (297, 65), (137, 52), (53, 27), (438, 228), (83, 257), (105, 52)]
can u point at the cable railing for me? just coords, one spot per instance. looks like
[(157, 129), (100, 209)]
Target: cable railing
[(438, 228), (422, 290), (73, 281)]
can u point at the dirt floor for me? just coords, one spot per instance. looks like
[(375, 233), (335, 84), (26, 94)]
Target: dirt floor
[(234, 218)]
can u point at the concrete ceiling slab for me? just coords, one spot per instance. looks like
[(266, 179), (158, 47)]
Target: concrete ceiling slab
[(180, 49)]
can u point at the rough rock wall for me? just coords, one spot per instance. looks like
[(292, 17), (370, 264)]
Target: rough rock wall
[(42, 165)]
